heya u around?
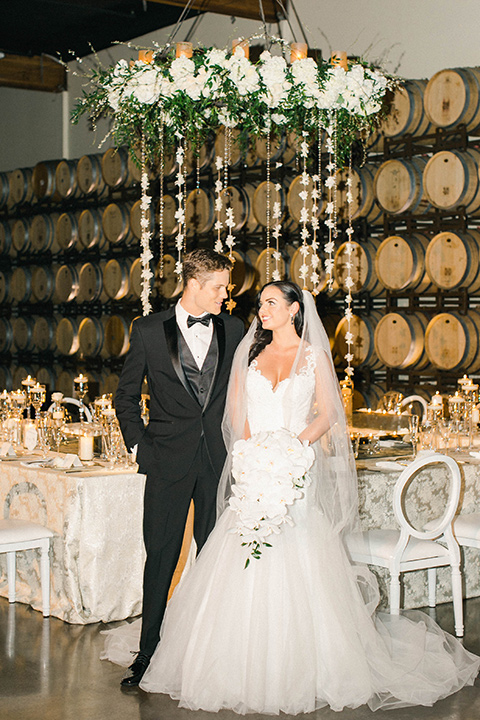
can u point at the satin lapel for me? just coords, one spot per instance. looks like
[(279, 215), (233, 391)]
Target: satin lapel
[(219, 328), (171, 337)]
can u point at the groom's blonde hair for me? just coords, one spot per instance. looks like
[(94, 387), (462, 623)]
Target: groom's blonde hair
[(202, 262)]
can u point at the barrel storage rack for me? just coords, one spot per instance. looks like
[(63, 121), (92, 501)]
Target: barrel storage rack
[(70, 279)]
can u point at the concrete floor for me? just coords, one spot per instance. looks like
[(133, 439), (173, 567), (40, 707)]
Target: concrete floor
[(50, 670)]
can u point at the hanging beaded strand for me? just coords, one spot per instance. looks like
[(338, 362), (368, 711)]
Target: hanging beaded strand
[(304, 233), (146, 254), (180, 212), (316, 196), (349, 357), (161, 202), (218, 204), (331, 210), (268, 200)]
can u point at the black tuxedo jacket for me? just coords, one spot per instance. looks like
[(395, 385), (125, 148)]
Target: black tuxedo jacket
[(168, 444)]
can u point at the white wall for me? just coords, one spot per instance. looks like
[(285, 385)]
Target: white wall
[(414, 38)]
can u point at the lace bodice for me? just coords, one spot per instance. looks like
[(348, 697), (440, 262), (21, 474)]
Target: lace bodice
[(266, 410)]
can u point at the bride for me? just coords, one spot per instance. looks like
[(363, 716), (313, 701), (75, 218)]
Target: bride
[(272, 616)]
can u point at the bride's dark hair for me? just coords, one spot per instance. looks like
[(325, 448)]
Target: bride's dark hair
[(291, 293)]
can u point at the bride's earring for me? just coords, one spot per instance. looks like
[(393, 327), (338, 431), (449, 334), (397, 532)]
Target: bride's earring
[(292, 319)]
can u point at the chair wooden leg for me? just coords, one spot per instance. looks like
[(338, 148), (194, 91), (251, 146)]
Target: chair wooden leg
[(394, 594), (11, 576), (432, 587), (457, 600), (45, 577)]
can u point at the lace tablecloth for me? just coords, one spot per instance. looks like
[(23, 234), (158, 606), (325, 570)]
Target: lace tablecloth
[(98, 555), (425, 501)]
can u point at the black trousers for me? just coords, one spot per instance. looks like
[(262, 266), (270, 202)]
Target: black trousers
[(166, 508)]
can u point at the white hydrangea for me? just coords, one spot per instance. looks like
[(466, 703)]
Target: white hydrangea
[(144, 85), (273, 72)]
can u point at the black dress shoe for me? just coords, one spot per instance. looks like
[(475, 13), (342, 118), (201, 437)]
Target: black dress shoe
[(136, 671)]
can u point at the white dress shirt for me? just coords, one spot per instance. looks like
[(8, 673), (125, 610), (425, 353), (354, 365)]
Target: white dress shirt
[(198, 337)]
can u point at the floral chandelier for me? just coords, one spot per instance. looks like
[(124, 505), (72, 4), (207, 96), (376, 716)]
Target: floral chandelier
[(173, 96)]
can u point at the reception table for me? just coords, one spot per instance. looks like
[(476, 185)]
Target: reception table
[(98, 555), (97, 552)]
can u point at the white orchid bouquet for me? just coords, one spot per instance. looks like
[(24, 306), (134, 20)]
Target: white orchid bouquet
[(270, 469), (215, 87)]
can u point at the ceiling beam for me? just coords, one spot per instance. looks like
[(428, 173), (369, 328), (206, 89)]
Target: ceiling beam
[(238, 8), (39, 72)]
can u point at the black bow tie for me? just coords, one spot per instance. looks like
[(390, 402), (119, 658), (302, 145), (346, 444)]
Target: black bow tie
[(204, 320)]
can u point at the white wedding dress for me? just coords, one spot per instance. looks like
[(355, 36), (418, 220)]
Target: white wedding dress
[(292, 632)]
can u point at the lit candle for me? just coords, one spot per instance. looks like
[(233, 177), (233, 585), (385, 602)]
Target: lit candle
[(85, 447), (437, 399), (184, 48), (298, 51), (145, 56), (243, 44), (340, 58)]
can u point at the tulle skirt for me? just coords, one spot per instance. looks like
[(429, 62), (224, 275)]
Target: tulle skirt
[(293, 632)]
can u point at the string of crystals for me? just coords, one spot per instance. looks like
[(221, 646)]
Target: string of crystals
[(268, 201), (331, 208), (229, 216), (277, 231), (146, 254), (316, 196), (161, 202), (180, 212), (304, 216), (349, 357)]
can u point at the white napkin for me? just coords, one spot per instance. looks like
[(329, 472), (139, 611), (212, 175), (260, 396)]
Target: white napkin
[(475, 454), (7, 450), (31, 438), (68, 461), (389, 465)]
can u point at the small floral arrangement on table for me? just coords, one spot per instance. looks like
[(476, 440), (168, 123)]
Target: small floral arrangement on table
[(270, 469)]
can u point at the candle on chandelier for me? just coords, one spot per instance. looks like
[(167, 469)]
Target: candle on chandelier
[(340, 58), (244, 44), (145, 56), (298, 51), (185, 49)]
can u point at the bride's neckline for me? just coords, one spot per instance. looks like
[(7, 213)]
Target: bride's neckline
[(254, 366)]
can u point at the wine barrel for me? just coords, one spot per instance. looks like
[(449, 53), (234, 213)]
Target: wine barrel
[(66, 230), (399, 340), (295, 202), (452, 97), (66, 180), (44, 334), (118, 168), (167, 283), (6, 336), (398, 186), (5, 276), (90, 231), (90, 283), (21, 239), (235, 154), (407, 115), (451, 180), (20, 187), (362, 271), (21, 284), (452, 260), (20, 373), (235, 198), (64, 382), (43, 233), (66, 338), (6, 247), (23, 333), (89, 176), (91, 333), (117, 335), (297, 261), (400, 263), (6, 380), (282, 148), (43, 283), (260, 202), (135, 279), (116, 224), (116, 278), (199, 212), (67, 283), (46, 376), (363, 203), (136, 216), (452, 341), (243, 274), (198, 161), (4, 190), (362, 328), (265, 264), (170, 224), (44, 181), (110, 384)]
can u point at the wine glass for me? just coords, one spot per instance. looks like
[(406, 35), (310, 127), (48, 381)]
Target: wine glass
[(81, 388), (38, 394)]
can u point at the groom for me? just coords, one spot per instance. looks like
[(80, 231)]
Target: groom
[(185, 353)]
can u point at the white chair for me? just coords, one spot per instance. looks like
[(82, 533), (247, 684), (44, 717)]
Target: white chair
[(18, 535), (412, 549), (74, 401), (466, 529), (411, 399)]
